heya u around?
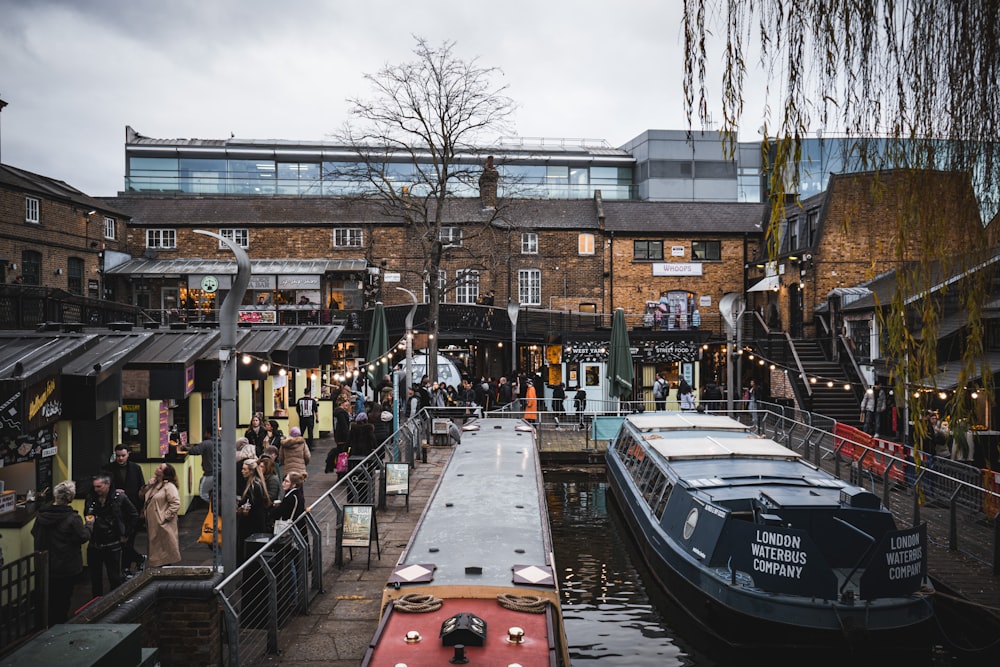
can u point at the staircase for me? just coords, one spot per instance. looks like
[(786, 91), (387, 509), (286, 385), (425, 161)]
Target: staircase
[(834, 402)]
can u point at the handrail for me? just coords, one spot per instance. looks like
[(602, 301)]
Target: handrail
[(798, 364), (842, 340)]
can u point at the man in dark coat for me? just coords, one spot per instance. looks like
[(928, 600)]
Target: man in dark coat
[(127, 476), (111, 516), (59, 530), (308, 408)]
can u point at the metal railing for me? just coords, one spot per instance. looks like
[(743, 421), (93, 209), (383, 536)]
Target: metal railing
[(24, 602)]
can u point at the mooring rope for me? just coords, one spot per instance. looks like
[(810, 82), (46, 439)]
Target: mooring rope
[(417, 603), (531, 604)]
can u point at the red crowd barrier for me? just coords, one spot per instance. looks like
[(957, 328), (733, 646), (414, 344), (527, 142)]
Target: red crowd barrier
[(991, 482), (855, 443)]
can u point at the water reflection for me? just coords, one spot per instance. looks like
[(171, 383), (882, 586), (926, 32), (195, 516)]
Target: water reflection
[(609, 615)]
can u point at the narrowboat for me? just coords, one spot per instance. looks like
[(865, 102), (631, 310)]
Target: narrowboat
[(761, 548), (477, 583)]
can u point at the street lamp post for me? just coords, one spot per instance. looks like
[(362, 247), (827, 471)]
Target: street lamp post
[(513, 308), (408, 370), (225, 474)]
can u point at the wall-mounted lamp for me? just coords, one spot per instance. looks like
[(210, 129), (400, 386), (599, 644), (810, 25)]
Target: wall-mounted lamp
[(13, 267), (59, 272), (91, 212)]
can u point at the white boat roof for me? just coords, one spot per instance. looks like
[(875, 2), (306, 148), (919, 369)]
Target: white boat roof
[(692, 435)]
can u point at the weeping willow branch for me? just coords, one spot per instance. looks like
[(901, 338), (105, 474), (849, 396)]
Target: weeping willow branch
[(913, 86)]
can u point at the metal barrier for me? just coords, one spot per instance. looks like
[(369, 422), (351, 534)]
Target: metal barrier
[(24, 603), (286, 571)]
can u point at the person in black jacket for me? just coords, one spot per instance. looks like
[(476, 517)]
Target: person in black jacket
[(127, 476), (59, 530), (111, 516)]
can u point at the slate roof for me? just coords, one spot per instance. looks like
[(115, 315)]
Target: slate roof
[(182, 266), (685, 217), (51, 188)]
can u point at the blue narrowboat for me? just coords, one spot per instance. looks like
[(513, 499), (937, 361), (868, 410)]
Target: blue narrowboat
[(760, 547)]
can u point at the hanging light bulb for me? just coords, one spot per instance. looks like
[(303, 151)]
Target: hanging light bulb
[(264, 367), (282, 372), (974, 395), (751, 357), (812, 380), (829, 383), (942, 395), (245, 359), (847, 386), (773, 367)]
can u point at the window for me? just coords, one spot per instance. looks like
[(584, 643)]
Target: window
[(31, 267), (466, 286), (586, 244), (647, 250), (31, 210), (348, 237), (442, 281), (706, 250), (793, 235), (161, 238), (74, 275), (241, 237), (110, 228), (529, 287), (529, 243), (451, 236)]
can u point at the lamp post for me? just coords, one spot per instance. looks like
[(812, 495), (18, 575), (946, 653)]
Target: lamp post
[(407, 370), (732, 307), (225, 474), (513, 308)]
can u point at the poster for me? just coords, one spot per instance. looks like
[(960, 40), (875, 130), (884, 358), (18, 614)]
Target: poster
[(357, 525), (397, 479)]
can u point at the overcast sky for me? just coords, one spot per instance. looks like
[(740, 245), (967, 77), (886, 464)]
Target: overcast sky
[(76, 72)]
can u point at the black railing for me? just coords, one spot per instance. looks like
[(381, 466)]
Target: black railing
[(28, 307)]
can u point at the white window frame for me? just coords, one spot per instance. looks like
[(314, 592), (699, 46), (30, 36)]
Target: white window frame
[(529, 243), (238, 235), (32, 210), (161, 238), (442, 283), (466, 286), (450, 236), (586, 244), (110, 228), (348, 237), (529, 287)]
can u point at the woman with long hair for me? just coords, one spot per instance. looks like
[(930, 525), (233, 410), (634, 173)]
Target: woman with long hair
[(252, 508), (293, 504), (256, 434), (161, 502)]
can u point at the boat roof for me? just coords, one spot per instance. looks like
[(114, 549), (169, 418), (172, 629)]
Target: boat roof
[(693, 435), (488, 511)]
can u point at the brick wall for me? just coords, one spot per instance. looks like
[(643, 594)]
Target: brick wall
[(64, 230)]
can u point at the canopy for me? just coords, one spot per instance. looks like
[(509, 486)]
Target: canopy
[(621, 372), (768, 284)]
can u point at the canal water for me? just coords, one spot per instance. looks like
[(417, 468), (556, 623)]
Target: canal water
[(614, 613)]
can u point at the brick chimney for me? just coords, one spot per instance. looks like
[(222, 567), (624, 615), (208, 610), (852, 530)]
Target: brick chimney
[(488, 184)]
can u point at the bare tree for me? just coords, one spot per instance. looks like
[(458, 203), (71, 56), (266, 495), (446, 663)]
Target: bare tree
[(911, 84), (413, 137)]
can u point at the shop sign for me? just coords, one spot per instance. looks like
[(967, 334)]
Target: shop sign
[(298, 282), (676, 268), (258, 316), (261, 282), (29, 446), (660, 351), (44, 403)]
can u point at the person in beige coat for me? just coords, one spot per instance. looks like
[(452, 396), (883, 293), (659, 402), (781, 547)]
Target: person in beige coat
[(161, 501), (294, 454)]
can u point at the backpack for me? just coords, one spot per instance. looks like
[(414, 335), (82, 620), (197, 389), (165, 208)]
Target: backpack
[(658, 389)]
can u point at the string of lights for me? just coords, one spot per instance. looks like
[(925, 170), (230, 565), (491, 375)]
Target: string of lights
[(918, 390)]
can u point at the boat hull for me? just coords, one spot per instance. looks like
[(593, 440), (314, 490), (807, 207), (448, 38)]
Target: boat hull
[(742, 618)]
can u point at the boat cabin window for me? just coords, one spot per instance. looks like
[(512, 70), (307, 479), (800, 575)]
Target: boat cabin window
[(630, 452), (661, 503)]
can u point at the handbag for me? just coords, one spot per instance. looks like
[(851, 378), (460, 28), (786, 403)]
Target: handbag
[(341, 463), (281, 525), (208, 528)]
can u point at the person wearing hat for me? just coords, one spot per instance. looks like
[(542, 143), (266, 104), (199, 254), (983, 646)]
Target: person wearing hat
[(293, 453)]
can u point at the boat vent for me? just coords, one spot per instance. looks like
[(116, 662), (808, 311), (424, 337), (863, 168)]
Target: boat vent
[(464, 628), (853, 496)]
